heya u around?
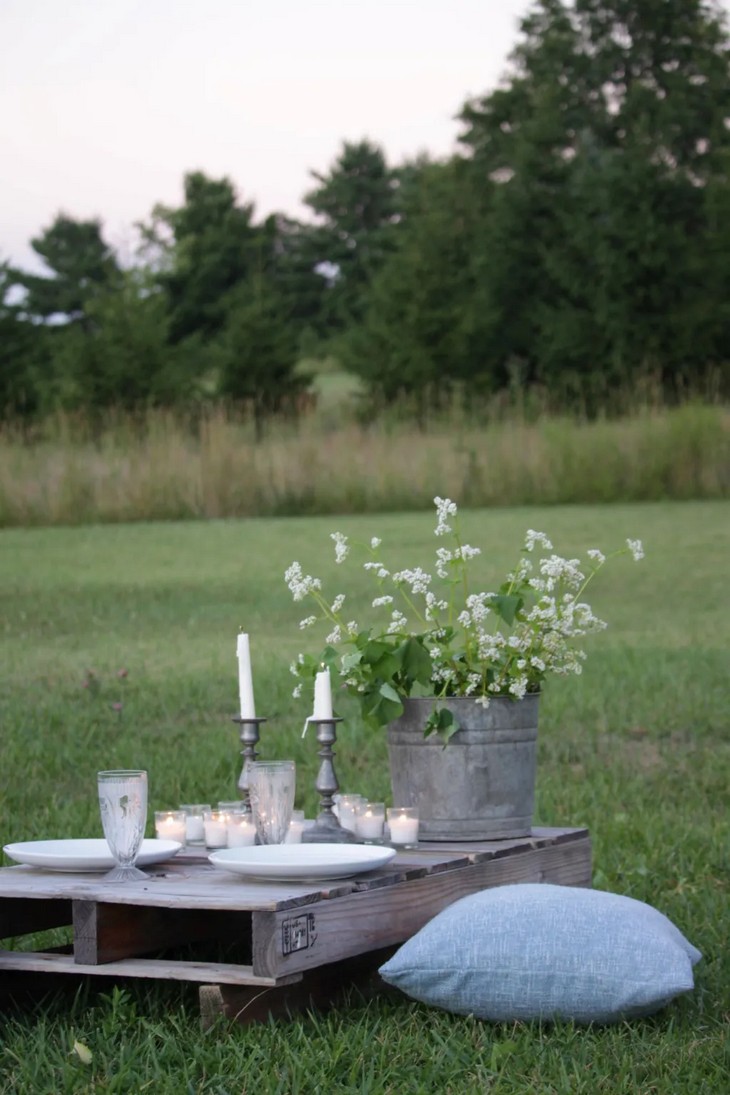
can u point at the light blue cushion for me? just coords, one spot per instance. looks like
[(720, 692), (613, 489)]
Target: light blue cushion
[(536, 951)]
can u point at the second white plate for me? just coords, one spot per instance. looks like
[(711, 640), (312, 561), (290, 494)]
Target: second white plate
[(302, 862), (85, 855)]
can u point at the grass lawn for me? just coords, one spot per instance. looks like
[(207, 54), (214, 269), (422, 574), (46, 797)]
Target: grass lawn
[(636, 749)]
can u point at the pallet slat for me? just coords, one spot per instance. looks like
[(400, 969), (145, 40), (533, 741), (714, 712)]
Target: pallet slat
[(223, 973)]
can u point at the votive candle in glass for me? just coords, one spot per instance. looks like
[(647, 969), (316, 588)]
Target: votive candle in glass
[(347, 809), (215, 824), (170, 825), (194, 828), (296, 828), (369, 822), (241, 830), (403, 825)]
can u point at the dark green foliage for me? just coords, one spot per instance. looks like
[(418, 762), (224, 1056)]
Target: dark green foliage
[(82, 265), (292, 264), (582, 245), (21, 344), (212, 246), (577, 248), (121, 358), (357, 206), (255, 355), (416, 335), (608, 138)]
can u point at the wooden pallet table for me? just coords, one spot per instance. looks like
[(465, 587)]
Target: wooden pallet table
[(299, 942)]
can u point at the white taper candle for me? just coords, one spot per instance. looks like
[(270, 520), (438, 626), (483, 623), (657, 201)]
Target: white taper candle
[(245, 681), (322, 696)]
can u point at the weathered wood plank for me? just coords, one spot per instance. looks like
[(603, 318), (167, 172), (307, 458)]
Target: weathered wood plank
[(19, 916), (106, 933), (332, 930), (224, 973), (199, 885), (195, 887)]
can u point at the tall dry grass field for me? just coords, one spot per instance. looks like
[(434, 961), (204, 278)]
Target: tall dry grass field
[(161, 469)]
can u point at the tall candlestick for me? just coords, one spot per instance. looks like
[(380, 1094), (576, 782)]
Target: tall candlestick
[(322, 696), (245, 681)]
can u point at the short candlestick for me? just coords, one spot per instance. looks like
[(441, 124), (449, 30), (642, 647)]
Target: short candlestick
[(327, 828), (249, 741)]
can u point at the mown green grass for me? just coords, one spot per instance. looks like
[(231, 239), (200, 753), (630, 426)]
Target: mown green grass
[(636, 749)]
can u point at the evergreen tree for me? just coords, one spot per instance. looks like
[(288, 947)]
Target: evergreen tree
[(256, 353), (416, 338), (606, 145), (356, 203), (204, 249), (122, 358), (21, 347), (81, 266)]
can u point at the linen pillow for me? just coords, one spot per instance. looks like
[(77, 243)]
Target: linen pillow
[(539, 951)]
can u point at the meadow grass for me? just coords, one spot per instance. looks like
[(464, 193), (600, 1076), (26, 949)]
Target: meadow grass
[(636, 749), (160, 468)]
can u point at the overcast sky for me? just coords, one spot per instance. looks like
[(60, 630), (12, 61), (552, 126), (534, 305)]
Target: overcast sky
[(107, 103)]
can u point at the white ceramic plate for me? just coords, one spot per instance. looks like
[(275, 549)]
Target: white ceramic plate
[(302, 862), (85, 855)]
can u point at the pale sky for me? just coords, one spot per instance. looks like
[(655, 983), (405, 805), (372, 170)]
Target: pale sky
[(107, 103)]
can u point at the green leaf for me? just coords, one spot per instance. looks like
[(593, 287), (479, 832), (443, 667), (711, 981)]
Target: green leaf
[(351, 661), (374, 650), (381, 660), (415, 661), (443, 722), (381, 705), (507, 605)]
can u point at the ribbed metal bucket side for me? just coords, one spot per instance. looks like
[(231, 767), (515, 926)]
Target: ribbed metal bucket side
[(481, 786)]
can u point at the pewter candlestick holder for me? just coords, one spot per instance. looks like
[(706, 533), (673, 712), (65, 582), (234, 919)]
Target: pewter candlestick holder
[(327, 828), (249, 740)]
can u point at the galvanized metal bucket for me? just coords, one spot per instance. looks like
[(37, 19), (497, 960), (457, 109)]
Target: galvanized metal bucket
[(481, 786)]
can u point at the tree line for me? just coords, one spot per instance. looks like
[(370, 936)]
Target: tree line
[(578, 242)]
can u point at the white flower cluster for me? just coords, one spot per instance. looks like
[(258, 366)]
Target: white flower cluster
[(417, 580), (342, 549), (636, 548), (540, 538), (299, 583), (445, 508), (460, 554), (489, 644)]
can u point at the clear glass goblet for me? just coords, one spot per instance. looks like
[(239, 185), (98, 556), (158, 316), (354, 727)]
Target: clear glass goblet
[(123, 808), (271, 785)]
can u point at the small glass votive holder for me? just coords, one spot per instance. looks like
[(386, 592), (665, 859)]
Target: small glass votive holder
[(403, 825), (370, 822), (296, 828), (240, 829), (215, 824), (194, 817), (347, 811), (171, 825), (236, 807)]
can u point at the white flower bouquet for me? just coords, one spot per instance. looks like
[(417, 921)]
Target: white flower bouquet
[(438, 638)]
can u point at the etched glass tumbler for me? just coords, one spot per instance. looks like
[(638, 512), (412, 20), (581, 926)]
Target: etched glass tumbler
[(123, 808), (271, 785)]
